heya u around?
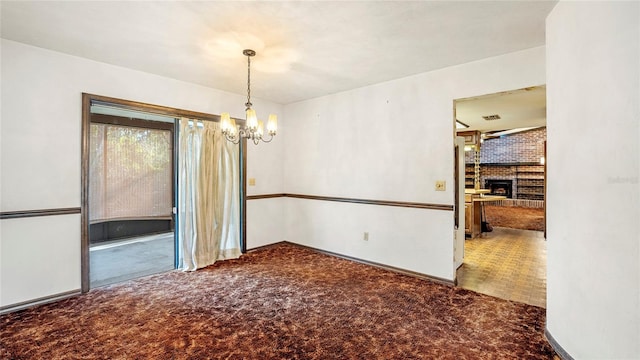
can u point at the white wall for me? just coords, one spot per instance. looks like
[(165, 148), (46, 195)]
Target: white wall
[(593, 124), (265, 219), (40, 149), (389, 141), (49, 244)]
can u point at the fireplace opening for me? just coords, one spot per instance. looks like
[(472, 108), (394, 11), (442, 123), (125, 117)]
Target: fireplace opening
[(499, 187)]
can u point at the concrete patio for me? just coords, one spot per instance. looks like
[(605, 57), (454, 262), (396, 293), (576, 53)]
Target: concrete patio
[(131, 258)]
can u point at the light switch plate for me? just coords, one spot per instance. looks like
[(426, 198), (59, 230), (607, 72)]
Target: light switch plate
[(441, 185)]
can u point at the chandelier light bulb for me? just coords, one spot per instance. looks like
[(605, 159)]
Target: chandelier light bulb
[(272, 124), (234, 128), (260, 130), (225, 122), (252, 120)]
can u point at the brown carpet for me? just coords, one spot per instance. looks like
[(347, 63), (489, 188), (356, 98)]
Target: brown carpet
[(515, 217), (283, 302)]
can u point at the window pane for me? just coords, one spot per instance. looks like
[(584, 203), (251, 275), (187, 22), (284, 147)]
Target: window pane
[(130, 174)]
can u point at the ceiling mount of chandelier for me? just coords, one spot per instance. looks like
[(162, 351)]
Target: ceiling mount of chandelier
[(253, 129)]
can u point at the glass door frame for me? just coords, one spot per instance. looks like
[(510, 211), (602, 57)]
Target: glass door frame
[(90, 99)]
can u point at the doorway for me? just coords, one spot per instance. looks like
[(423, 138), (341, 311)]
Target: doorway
[(503, 176), (131, 195), (155, 114)]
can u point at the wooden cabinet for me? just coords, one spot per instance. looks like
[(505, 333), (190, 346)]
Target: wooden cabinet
[(468, 215), (470, 137), (472, 215)]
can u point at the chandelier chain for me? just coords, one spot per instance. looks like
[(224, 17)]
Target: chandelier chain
[(248, 104)]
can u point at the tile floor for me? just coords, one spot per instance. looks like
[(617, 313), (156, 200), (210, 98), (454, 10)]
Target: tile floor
[(129, 259), (507, 263)]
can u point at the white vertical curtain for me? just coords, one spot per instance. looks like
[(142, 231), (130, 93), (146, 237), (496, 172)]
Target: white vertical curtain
[(208, 196)]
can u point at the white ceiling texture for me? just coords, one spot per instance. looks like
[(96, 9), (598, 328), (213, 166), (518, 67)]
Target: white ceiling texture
[(305, 49)]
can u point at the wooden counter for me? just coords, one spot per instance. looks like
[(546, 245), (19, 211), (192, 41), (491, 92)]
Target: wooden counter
[(484, 198), (473, 202), (476, 191)]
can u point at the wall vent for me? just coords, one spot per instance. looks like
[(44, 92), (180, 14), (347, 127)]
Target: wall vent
[(491, 117)]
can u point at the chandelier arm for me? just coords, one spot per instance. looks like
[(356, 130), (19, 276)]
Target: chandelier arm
[(266, 141), (233, 139)]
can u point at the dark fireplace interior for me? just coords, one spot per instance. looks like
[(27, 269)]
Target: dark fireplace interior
[(500, 187)]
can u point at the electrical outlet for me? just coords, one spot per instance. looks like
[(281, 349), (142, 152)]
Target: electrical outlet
[(441, 185), (366, 236), (252, 181)]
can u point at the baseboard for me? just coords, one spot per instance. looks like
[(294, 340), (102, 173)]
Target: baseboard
[(374, 264), (267, 246), (65, 295), (564, 355), (40, 301)]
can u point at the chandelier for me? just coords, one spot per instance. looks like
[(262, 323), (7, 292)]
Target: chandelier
[(253, 129)]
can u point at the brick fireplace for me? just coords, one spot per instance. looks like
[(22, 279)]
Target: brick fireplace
[(510, 166), (501, 187)]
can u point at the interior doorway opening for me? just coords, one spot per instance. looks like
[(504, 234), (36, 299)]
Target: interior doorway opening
[(504, 181), (131, 195)]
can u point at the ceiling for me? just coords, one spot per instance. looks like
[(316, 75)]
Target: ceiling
[(305, 49), (517, 109)]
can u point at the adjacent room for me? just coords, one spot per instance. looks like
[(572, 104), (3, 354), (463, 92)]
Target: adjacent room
[(504, 181), (301, 165)]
